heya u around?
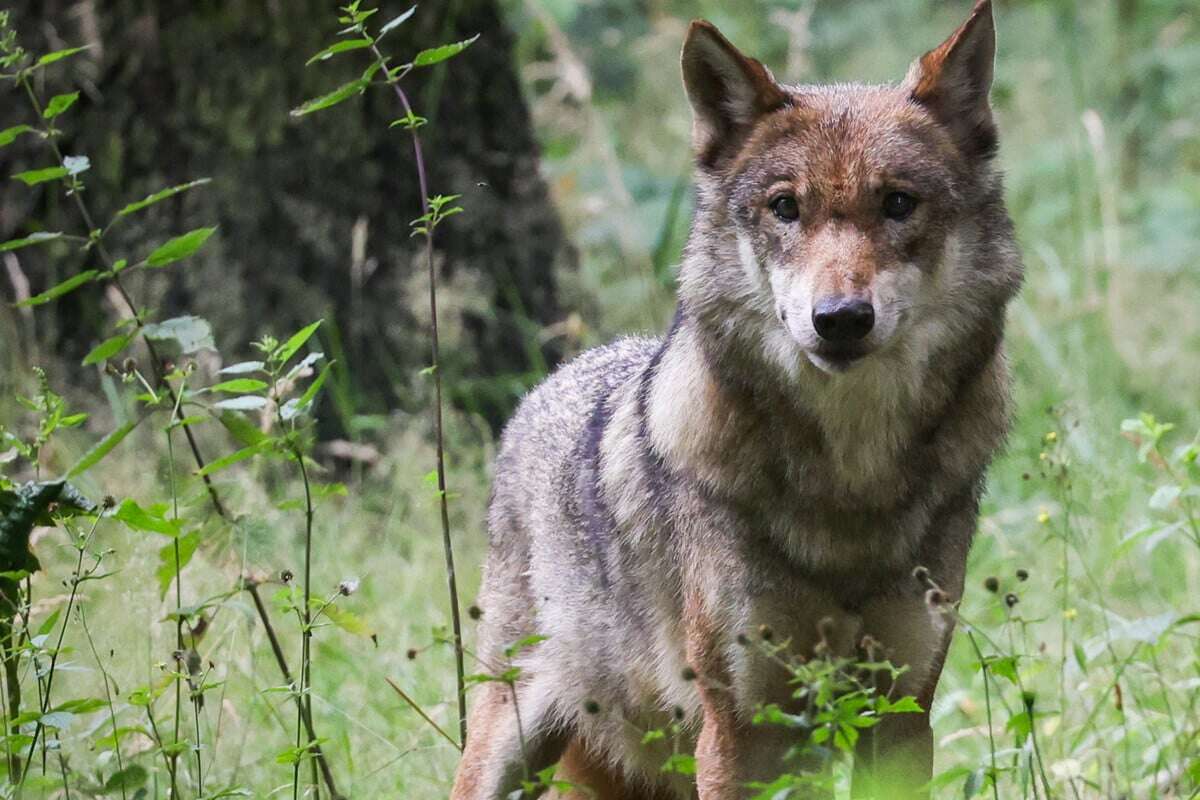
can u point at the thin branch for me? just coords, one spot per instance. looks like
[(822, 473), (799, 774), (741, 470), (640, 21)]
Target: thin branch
[(251, 586), (447, 543), (417, 708)]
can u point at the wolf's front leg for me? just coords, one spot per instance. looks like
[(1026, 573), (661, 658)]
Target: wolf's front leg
[(732, 753), (732, 679), (717, 769), (511, 737), (894, 760)]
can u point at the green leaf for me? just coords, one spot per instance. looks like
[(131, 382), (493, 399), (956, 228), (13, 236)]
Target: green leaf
[(188, 332), (195, 419), (58, 104), (339, 47), (160, 196), (58, 720), (1004, 666), (48, 624), (242, 429), (293, 408), (397, 21), (58, 55), (1021, 724), (180, 247), (35, 176), (343, 92), (233, 458), (241, 368), (347, 621), (132, 777), (167, 571), (21, 510), (297, 341), (680, 764), (245, 402), (1165, 496), (152, 520), (107, 349), (523, 644), (41, 237), (409, 121), (427, 58), (81, 705), (9, 135), (102, 448), (69, 285), (905, 705), (973, 785), (239, 386)]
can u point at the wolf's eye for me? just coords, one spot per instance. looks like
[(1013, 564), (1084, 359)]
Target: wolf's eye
[(785, 207), (899, 205)]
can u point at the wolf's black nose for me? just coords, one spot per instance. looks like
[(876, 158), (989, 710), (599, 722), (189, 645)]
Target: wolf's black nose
[(842, 319)]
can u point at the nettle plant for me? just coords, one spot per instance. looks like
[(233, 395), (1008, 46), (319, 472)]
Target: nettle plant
[(835, 699), (266, 405), (358, 36)]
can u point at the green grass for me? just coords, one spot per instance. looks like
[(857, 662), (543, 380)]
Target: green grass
[(1105, 328)]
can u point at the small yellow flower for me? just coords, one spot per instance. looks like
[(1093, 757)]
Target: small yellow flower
[(1071, 613), (1043, 456), (1043, 517), (1051, 437)]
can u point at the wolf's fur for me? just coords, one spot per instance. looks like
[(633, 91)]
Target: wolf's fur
[(656, 498)]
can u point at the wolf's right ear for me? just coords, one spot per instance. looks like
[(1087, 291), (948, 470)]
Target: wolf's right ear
[(953, 80), (728, 92)]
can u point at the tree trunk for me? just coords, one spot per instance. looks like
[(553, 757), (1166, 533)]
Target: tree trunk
[(313, 212)]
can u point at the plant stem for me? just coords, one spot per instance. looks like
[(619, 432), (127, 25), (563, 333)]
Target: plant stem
[(448, 547), (12, 678), (112, 713), (62, 632), (170, 762), (180, 660), (416, 707), (304, 697), (326, 773)]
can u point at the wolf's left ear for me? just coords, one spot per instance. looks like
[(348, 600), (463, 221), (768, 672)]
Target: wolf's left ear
[(728, 92), (953, 81)]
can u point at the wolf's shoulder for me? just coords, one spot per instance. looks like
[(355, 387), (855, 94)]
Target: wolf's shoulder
[(575, 387), (561, 404)]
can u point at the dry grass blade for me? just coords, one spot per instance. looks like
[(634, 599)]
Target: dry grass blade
[(404, 696)]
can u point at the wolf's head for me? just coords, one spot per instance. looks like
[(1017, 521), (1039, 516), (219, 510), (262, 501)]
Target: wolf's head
[(840, 224)]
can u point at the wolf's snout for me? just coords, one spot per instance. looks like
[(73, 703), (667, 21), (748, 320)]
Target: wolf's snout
[(843, 319)]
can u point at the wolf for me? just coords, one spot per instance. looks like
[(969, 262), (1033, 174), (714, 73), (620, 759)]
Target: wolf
[(816, 423)]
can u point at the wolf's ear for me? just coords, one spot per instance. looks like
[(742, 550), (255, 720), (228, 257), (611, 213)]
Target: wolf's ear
[(953, 81), (728, 92)]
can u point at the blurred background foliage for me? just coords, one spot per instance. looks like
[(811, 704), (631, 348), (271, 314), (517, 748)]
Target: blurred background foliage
[(1099, 109)]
